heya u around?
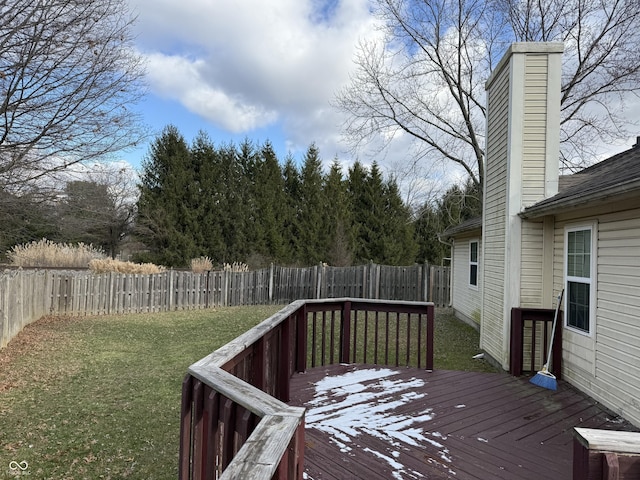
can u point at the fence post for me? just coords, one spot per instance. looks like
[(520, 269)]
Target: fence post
[(170, 292), (271, 283), (4, 316)]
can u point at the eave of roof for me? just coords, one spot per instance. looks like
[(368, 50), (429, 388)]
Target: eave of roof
[(609, 180), (470, 225), (554, 205)]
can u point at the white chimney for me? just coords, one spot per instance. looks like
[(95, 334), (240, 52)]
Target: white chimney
[(521, 168)]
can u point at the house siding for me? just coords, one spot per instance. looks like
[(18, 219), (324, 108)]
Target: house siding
[(531, 286), (534, 141), (465, 298), (605, 366), (493, 232)]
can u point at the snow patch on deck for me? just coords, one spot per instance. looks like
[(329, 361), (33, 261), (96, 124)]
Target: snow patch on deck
[(366, 401)]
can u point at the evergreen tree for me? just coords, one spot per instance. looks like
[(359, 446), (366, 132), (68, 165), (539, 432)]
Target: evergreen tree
[(313, 231), (248, 159), (166, 217), (372, 230), (400, 246), (339, 221), (459, 203), (270, 201), (427, 227), (234, 217), (356, 186), (205, 160), (292, 190)]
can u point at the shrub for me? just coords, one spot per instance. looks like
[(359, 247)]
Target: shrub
[(201, 264), (106, 265), (45, 253)]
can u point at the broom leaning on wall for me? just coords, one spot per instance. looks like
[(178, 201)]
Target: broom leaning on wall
[(544, 378)]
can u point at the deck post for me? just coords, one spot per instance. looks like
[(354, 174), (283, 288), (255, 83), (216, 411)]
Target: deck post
[(259, 364), (185, 428), (284, 376), (605, 454), (301, 339), (345, 333), (516, 343), (430, 332)]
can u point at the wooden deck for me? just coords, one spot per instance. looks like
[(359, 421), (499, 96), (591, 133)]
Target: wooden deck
[(371, 422)]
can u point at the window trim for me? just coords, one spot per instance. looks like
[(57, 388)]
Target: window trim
[(591, 281), (472, 263)]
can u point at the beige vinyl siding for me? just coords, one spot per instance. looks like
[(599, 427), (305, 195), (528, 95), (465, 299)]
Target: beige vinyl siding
[(606, 365), (534, 146), (492, 273), (466, 298), (618, 310), (531, 265)]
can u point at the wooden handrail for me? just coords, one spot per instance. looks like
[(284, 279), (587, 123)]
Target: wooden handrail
[(605, 454), (235, 422)]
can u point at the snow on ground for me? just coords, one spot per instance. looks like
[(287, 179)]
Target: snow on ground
[(365, 402)]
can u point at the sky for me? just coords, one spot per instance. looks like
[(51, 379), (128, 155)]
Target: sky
[(261, 70)]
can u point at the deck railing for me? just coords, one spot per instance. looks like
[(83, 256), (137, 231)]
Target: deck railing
[(235, 422), (605, 454), (529, 342)]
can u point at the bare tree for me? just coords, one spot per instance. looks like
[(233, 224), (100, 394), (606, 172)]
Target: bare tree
[(98, 206), (426, 78), (68, 78)]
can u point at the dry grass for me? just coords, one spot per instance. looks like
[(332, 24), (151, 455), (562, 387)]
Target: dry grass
[(235, 267), (201, 264), (45, 253), (106, 265)]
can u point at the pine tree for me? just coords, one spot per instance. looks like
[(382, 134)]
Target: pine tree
[(356, 185), (459, 203), (400, 247), (339, 221), (166, 217), (205, 161), (313, 231), (270, 201), (292, 190), (234, 214)]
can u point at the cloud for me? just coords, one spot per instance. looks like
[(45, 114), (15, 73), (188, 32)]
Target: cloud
[(180, 78), (249, 64)]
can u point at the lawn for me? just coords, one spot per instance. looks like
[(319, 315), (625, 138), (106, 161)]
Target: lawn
[(99, 397)]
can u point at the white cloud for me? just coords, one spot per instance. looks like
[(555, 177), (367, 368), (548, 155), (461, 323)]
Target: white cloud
[(248, 64)]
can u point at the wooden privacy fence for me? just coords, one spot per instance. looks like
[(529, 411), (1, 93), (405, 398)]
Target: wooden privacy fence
[(26, 295), (235, 422)]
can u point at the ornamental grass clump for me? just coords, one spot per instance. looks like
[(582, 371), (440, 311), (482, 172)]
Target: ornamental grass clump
[(235, 267), (201, 264), (107, 265), (45, 253)]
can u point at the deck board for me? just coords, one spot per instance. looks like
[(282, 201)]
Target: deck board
[(370, 422)]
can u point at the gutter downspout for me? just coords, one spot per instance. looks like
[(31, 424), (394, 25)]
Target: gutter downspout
[(450, 245)]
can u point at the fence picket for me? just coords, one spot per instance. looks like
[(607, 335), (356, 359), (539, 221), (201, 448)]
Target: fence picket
[(26, 295)]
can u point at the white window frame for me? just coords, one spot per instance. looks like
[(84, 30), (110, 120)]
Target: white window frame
[(591, 280), (472, 263)]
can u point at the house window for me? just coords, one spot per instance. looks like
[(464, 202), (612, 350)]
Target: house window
[(473, 263), (580, 278)]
